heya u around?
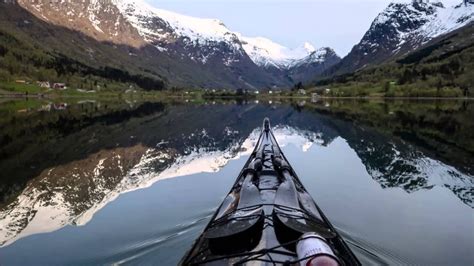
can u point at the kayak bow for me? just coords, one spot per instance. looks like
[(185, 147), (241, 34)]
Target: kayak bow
[(265, 216)]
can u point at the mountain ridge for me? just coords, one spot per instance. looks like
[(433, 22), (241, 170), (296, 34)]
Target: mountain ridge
[(131, 42), (181, 42), (402, 28)]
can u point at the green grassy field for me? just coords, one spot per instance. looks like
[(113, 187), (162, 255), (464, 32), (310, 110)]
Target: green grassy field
[(387, 89), (33, 90)]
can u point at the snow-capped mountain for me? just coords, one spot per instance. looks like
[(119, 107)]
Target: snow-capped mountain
[(404, 27), (201, 40), (314, 64), (209, 40), (202, 32), (299, 64), (185, 50), (265, 52)]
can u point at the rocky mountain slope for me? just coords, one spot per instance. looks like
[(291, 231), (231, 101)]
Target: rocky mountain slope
[(402, 28), (315, 64), (443, 67), (160, 45), (209, 40)]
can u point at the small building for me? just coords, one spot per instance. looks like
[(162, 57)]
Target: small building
[(44, 84), (302, 92), (59, 86)]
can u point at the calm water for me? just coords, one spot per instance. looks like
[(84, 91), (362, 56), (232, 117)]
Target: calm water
[(131, 182)]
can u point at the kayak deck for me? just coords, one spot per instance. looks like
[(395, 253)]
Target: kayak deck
[(264, 215)]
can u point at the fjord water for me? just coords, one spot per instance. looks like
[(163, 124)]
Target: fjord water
[(132, 182)]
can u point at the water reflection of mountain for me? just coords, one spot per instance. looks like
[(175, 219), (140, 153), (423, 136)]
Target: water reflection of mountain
[(395, 163), (44, 140), (84, 158), (74, 192), (84, 162)]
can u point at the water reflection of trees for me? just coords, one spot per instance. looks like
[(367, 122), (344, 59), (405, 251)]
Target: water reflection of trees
[(443, 130)]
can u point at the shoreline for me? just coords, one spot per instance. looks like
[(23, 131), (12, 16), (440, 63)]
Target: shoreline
[(39, 96)]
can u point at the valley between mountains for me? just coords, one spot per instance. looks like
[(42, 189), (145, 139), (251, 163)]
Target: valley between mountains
[(123, 125), (421, 48)]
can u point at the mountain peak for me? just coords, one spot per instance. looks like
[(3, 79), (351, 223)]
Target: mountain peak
[(309, 47), (143, 16), (403, 27), (267, 53)]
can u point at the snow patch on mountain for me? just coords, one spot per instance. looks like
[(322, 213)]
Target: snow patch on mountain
[(196, 30), (448, 19), (419, 172), (94, 7), (31, 215), (319, 56)]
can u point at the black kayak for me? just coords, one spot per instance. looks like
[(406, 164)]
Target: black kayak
[(264, 216)]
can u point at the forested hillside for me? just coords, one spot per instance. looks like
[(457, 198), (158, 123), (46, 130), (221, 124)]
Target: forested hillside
[(33, 50)]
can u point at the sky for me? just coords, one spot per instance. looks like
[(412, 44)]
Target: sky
[(339, 24)]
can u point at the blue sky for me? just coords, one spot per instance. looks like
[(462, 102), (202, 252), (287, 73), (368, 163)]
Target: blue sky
[(339, 24)]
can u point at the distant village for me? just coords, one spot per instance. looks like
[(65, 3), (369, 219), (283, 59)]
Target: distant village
[(45, 84)]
